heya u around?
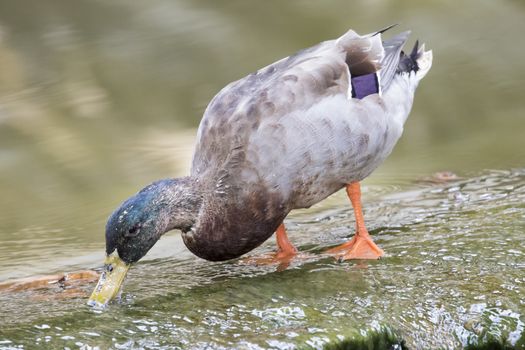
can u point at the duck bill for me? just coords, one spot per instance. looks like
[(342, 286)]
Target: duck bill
[(110, 281)]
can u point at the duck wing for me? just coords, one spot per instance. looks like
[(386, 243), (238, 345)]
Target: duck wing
[(236, 112), (292, 84)]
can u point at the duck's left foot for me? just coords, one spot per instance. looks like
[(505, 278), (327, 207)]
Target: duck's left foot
[(361, 246), (286, 252), (280, 258)]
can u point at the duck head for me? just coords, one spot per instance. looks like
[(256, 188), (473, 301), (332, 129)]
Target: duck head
[(134, 228)]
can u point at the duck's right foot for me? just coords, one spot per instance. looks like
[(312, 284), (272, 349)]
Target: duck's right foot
[(361, 246)]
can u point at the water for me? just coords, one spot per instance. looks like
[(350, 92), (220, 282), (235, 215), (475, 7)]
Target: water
[(97, 100), (454, 269)]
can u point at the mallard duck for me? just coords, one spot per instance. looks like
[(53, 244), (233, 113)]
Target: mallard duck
[(284, 137)]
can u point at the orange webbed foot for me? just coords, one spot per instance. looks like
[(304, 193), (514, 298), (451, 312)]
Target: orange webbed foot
[(361, 245), (280, 258), (286, 252), (343, 247), (363, 248)]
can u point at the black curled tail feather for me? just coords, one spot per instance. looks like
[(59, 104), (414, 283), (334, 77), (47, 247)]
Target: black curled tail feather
[(408, 63)]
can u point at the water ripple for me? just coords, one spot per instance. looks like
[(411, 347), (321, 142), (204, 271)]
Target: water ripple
[(453, 274)]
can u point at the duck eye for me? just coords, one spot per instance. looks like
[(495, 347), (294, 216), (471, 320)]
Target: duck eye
[(134, 230)]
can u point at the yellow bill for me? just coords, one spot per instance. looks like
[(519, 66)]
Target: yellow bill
[(110, 281)]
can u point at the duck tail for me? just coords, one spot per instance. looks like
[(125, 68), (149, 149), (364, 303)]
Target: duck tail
[(409, 63), (396, 61), (369, 54), (418, 61)]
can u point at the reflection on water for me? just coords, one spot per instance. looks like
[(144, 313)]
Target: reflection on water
[(97, 99)]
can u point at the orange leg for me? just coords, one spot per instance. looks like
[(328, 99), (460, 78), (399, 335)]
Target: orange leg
[(361, 245), (284, 255), (284, 247)]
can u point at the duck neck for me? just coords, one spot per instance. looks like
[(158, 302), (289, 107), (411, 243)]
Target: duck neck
[(180, 201)]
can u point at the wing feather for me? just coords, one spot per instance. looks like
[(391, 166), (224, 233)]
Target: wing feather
[(293, 83), (390, 61)]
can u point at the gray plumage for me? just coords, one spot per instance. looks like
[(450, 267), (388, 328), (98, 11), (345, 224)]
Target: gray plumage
[(290, 135)]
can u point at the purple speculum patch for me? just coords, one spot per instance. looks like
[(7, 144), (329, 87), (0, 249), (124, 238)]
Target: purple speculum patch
[(365, 85)]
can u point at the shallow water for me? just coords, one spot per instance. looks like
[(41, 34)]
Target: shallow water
[(97, 100), (454, 269)]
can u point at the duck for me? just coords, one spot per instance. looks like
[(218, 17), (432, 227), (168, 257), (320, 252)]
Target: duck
[(284, 137)]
